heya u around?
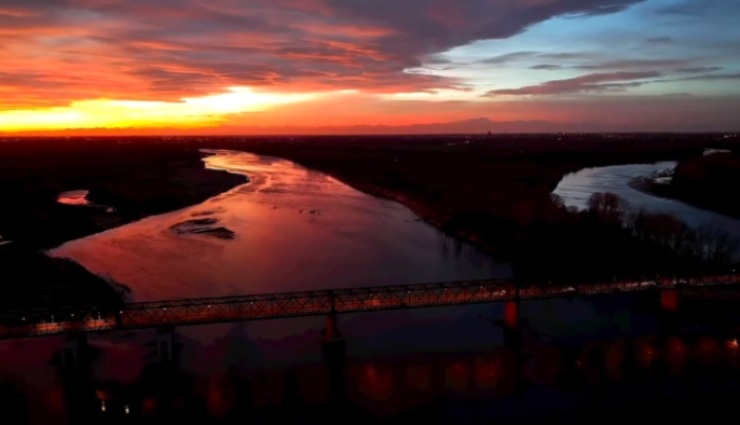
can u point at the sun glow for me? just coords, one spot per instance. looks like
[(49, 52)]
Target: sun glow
[(107, 113)]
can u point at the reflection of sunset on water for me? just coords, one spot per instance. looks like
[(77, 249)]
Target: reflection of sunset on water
[(676, 353), (457, 377), (330, 236), (614, 362), (375, 383), (57, 403), (488, 372), (707, 350), (418, 377), (646, 353)]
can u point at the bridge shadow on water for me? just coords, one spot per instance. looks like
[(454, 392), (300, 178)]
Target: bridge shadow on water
[(688, 369)]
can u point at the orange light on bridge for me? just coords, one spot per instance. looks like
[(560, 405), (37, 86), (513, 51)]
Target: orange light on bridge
[(669, 300), (732, 349), (511, 314), (48, 328), (733, 345)]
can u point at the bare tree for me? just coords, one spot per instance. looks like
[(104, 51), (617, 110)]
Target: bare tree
[(557, 201), (608, 207), (717, 246), (665, 230)]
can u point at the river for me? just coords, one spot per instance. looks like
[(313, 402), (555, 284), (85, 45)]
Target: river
[(294, 229), (297, 229), (576, 188), (290, 228)]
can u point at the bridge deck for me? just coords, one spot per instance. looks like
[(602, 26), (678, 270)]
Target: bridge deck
[(313, 303)]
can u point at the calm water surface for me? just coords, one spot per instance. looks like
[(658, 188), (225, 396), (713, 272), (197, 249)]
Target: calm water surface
[(74, 197), (294, 229), (576, 188), (297, 229)]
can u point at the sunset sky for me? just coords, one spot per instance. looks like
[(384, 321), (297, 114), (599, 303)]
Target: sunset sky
[(245, 64)]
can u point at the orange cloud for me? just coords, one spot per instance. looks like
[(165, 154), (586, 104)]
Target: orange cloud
[(189, 112), (171, 63), (68, 49)]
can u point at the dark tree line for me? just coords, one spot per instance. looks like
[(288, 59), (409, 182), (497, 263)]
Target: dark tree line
[(610, 240), (708, 243)]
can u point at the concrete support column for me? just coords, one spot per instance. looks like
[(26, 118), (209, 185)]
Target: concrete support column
[(331, 329), (511, 315), (73, 350), (334, 353), (165, 344), (513, 336), (669, 300)]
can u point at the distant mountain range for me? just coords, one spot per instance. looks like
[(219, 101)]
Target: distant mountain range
[(471, 126)]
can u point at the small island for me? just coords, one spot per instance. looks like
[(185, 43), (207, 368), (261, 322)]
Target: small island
[(74, 197), (203, 226)]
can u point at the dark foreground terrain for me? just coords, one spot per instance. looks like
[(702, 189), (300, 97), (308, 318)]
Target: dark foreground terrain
[(135, 179), (684, 371), (709, 182), (493, 191)]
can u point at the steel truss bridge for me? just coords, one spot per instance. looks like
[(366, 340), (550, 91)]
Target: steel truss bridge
[(143, 315)]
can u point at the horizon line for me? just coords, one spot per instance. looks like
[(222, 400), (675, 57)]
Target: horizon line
[(492, 133)]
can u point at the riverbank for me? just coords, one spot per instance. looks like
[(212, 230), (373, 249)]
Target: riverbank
[(136, 181), (704, 182), (136, 178), (32, 280), (496, 192)]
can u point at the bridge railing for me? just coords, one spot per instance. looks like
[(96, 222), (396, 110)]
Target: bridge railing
[(308, 303)]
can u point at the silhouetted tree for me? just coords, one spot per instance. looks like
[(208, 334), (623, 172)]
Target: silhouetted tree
[(557, 201), (608, 207), (717, 245)]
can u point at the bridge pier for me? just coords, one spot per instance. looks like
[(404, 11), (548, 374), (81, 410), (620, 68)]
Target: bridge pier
[(513, 339), (669, 301), (333, 350), (511, 315), (165, 344), (332, 342), (73, 351), (331, 329), (511, 325)]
